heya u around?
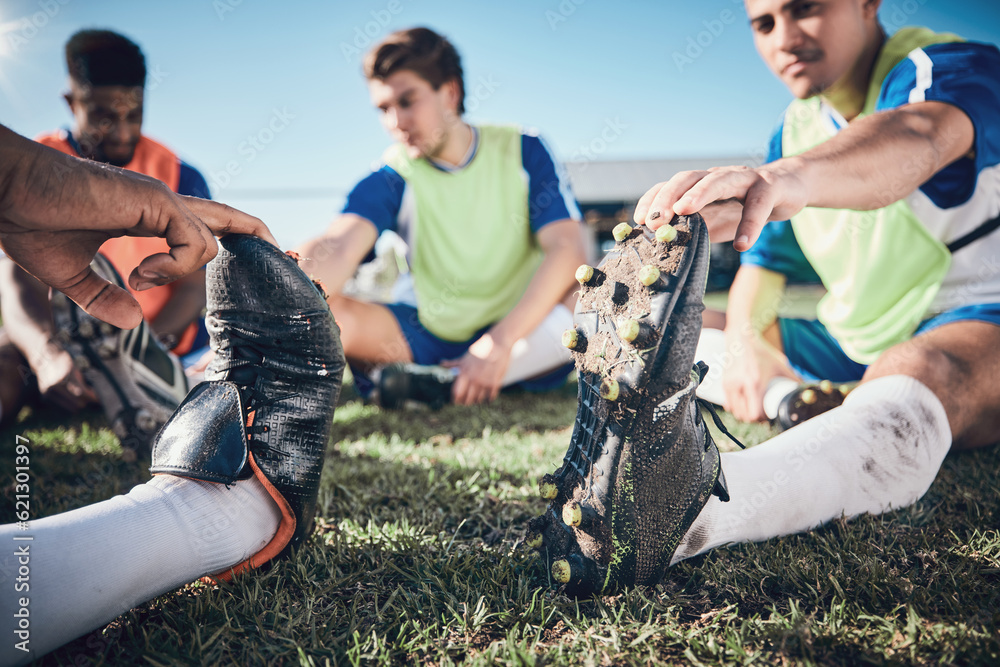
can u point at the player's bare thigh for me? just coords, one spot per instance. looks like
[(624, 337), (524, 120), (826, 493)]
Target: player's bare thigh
[(369, 331), (960, 363)]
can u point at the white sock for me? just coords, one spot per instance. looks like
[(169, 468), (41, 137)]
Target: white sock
[(879, 451), (542, 350), (90, 565), (712, 350)]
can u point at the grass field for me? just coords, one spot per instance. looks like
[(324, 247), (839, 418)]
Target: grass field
[(417, 561)]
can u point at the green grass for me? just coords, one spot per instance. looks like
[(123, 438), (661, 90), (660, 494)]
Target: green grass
[(416, 561)]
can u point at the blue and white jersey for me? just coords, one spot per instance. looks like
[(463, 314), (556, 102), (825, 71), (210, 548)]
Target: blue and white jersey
[(957, 199)]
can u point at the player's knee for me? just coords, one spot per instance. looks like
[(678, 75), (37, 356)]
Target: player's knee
[(932, 365)]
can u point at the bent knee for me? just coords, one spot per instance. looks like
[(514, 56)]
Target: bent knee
[(931, 365)]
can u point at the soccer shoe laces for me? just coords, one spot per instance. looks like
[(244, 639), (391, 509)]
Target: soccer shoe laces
[(702, 369)]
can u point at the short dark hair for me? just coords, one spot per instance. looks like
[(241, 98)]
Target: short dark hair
[(422, 51), (104, 58)]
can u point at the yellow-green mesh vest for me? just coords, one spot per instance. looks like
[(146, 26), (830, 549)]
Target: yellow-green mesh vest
[(881, 268), (473, 251)]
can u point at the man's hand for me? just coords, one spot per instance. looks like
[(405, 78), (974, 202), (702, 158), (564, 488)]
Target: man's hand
[(57, 210), (770, 192), (60, 382), (480, 371), (754, 364)]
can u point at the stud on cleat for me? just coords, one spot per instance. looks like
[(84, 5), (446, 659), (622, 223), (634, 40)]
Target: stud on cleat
[(809, 396), (629, 330), (572, 514), (825, 386), (534, 540), (610, 389), (648, 275), (584, 274), (622, 231), (547, 488), (561, 571), (571, 339), (666, 234)]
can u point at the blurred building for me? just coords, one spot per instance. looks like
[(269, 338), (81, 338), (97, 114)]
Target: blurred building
[(607, 191)]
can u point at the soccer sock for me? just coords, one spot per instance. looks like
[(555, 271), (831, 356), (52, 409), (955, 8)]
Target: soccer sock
[(85, 567), (712, 350), (541, 350), (878, 451)]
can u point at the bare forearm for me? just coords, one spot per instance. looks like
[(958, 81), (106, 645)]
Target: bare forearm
[(880, 159), (185, 306), (334, 257), (755, 300), (24, 305), (44, 188)]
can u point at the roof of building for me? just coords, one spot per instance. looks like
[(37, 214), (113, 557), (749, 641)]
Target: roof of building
[(607, 181)]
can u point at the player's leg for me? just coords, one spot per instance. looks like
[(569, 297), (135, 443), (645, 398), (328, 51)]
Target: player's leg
[(238, 465), (959, 362), (371, 333), (880, 450)]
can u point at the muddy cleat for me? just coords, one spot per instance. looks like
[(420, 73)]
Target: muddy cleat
[(809, 401), (137, 381), (641, 463), (400, 383), (266, 407)]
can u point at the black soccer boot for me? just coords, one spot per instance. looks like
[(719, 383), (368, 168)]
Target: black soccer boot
[(266, 407), (138, 382), (402, 382), (641, 463)]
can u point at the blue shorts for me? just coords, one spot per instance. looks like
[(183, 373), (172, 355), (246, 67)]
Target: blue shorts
[(429, 350), (815, 355)]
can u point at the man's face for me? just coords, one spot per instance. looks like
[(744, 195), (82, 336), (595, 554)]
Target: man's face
[(414, 113), (811, 44), (108, 121)]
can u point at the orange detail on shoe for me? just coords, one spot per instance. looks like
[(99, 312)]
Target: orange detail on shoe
[(250, 416), (286, 529), (294, 255)]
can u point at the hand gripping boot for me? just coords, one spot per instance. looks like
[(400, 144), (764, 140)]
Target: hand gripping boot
[(266, 407), (641, 463)]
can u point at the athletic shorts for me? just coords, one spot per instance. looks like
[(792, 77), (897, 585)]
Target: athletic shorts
[(428, 350), (815, 355)]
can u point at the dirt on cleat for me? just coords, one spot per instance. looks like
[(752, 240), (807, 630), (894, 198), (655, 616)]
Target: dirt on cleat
[(641, 463)]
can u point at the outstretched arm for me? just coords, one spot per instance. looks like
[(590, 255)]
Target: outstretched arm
[(56, 211), (334, 257), (482, 368), (871, 163)]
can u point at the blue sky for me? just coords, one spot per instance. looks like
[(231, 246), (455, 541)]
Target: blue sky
[(267, 99)]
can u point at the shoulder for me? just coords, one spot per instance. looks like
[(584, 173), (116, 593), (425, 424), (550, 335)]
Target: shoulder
[(192, 182)]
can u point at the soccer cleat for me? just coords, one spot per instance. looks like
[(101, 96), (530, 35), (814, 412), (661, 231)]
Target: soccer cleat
[(266, 407), (402, 382), (138, 382), (808, 401), (641, 463)]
